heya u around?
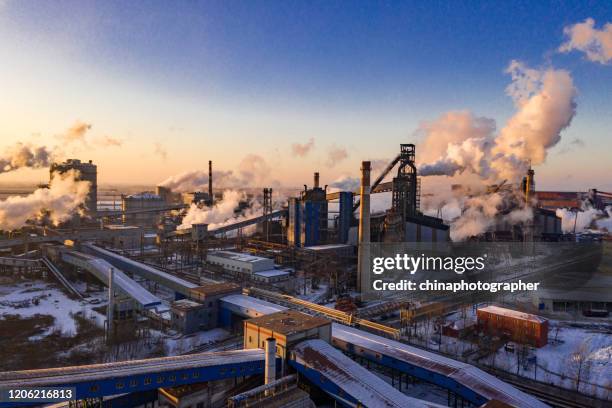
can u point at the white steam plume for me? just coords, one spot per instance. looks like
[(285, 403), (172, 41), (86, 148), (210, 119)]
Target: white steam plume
[(584, 219), (345, 183), (253, 171), (223, 213), (605, 223), (21, 155), (596, 44), (58, 203), (460, 142), (475, 215)]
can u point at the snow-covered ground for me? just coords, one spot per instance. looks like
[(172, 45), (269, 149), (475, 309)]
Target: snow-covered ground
[(182, 344), (577, 352), (41, 298), (572, 348)]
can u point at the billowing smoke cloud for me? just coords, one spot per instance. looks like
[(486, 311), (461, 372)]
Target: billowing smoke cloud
[(76, 132), (605, 223), (460, 142), (21, 155), (587, 217), (253, 171), (336, 155), (596, 44), (223, 213), (58, 203), (452, 128), (302, 150), (477, 213), (345, 183)]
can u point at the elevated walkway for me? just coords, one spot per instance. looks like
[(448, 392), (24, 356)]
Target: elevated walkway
[(125, 285), (100, 380), (345, 380), (466, 380), (175, 283)]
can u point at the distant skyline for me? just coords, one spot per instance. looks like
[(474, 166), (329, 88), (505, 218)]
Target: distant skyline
[(155, 88)]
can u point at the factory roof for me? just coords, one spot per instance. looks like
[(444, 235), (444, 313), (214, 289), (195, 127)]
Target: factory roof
[(254, 304), (502, 311), (328, 247), (121, 227), (288, 322), (273, 272), (238, 256), (185, 304), (145, 195), (212, 289)]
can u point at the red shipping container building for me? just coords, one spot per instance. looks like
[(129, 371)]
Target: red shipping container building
[(518, 326)]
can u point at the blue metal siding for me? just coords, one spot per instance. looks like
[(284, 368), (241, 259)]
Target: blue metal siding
[(412, 370), (345, 216), (323, 383), (154, 380)]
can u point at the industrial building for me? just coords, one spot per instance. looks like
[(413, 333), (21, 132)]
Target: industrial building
[(307, 223), (136, 208), (85, 172), (240, 262), (287, 327), (518, 326), (189, 316)]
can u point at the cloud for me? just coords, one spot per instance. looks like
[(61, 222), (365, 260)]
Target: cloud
[(596, 44), (76, 133), (302, 150), (336, 155), (108, 141), (160, 151), (575, 143)]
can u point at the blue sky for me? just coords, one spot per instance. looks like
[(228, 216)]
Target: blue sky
[(224, 79)]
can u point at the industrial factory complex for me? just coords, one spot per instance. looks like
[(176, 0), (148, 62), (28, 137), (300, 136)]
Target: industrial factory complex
[(297, 204), (268, 306)]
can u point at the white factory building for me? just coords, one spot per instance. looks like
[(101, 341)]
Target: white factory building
[(259, 268), (239, 262)]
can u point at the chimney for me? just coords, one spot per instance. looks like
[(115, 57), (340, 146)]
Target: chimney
[(110, 309), (270, 361), (211, 198), (363, 258), (316, 180)]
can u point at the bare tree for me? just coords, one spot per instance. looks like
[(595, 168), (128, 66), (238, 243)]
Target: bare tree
[(579, 363)]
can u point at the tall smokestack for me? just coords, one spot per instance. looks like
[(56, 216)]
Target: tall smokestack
[(110, 309), (211, 198), (316, 180), (270, 361), (363, 259)]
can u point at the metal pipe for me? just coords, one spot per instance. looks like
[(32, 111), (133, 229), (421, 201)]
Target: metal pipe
[(363, 260), (316, 180)]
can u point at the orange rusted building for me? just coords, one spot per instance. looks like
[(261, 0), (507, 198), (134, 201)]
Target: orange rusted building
[(518, 326)]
